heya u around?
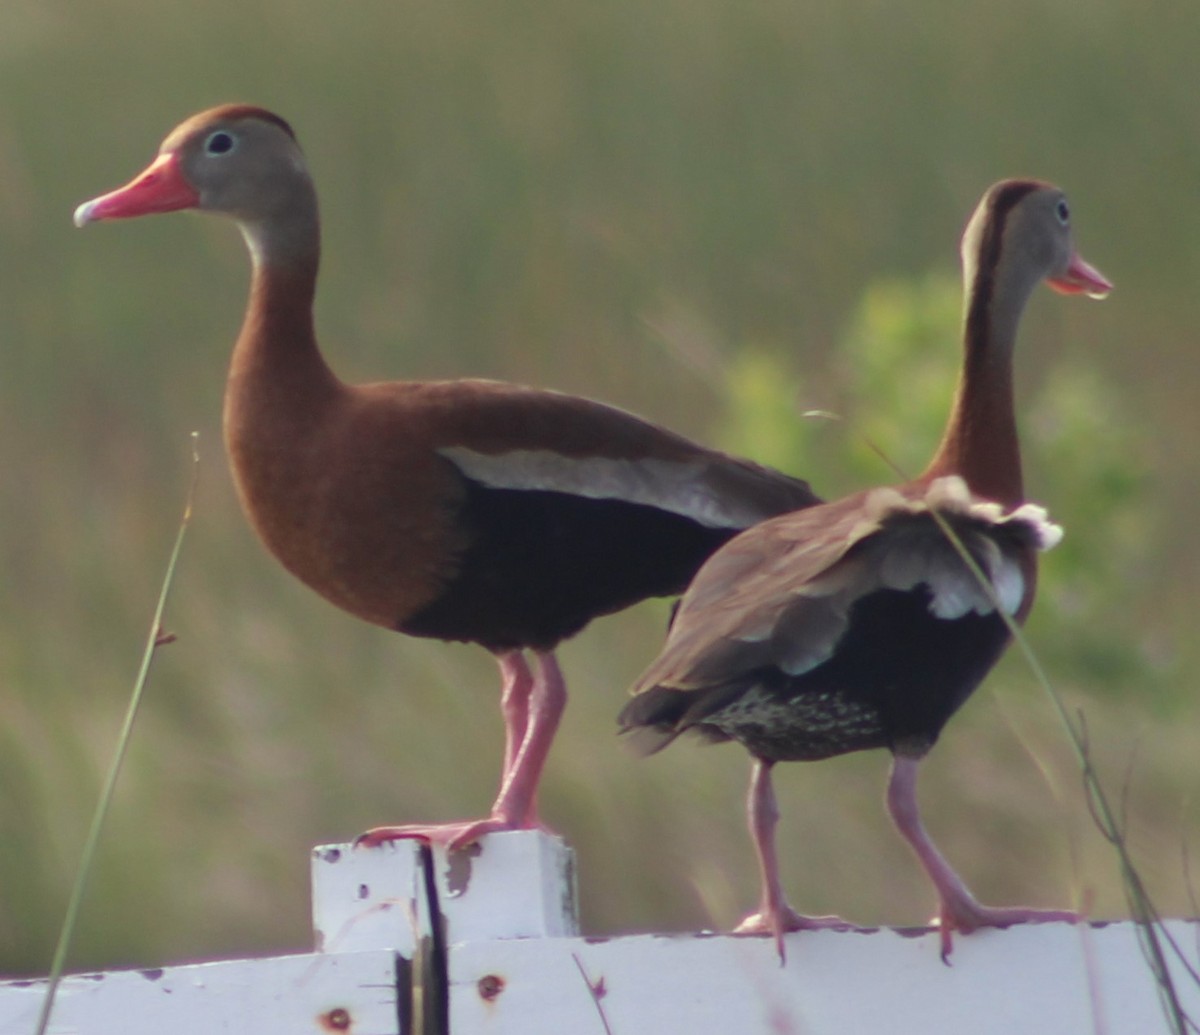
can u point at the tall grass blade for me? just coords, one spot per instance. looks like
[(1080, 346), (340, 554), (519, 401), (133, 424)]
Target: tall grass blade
[(154, 641), (1151, 933)]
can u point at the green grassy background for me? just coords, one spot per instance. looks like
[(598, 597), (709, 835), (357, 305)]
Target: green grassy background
[(715, 213)]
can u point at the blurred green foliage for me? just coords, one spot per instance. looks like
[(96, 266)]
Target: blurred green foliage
[(1090, 455), (719, 214)]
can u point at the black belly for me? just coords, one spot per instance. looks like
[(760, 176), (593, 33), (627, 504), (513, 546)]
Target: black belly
[(541, 565), (897, 676)]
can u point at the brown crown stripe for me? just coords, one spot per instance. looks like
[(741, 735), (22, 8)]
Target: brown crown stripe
[(251, 111), (1000, 204)]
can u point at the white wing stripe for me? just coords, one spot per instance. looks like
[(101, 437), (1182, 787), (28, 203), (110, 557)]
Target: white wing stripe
[(680, 488)]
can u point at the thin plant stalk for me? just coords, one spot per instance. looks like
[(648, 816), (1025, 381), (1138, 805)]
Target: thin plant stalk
[(1151, 933), (157, 638)]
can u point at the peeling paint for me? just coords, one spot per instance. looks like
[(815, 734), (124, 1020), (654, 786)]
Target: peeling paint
[(458, 869), (913, 932), (570, 894)]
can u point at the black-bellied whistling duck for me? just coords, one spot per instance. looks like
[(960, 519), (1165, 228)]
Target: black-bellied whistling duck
[(459, 510), (857, 624)]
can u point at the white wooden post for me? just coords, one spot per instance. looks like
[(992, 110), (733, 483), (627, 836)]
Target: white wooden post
[(414, 942), (416, 900), (367, 899), (515, 885)]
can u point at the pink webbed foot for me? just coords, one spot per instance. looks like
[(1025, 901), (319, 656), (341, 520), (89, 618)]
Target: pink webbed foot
[(786, 919), (774, 916), (532, 707), (451, 836), (958, 909), (964, 913), (789, 920)]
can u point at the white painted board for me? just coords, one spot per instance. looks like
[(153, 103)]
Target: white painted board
[(1055, 979), (296, 995), (516, 965)]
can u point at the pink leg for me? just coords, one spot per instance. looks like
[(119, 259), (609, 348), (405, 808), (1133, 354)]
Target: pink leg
[(532, 710), (547, 700), (514, 705), (774, 915), (958, 909)]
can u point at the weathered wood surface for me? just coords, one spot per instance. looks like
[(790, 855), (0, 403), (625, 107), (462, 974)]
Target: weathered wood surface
[(319, 993), (410, 941), (1053, 979)]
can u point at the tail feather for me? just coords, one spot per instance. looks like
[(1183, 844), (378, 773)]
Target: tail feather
[(659, 714), (653, 718)]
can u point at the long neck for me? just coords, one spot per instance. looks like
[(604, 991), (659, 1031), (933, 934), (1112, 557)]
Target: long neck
[(278, 380), (277, 352), (980, 442)]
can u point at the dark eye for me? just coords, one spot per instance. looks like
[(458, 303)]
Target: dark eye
[(219, 143), (1063, 211)]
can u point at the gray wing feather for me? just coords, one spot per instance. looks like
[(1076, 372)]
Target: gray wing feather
[(781, 593)]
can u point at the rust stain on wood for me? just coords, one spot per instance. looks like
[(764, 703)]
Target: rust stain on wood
[(335, 1020), (490, 986)]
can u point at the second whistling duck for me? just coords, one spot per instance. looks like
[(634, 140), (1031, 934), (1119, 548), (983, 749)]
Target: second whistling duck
[(857, 624), (461, 510)]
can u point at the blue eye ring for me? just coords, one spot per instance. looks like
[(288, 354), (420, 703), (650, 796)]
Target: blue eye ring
[(1063, 211), (220, 142)]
